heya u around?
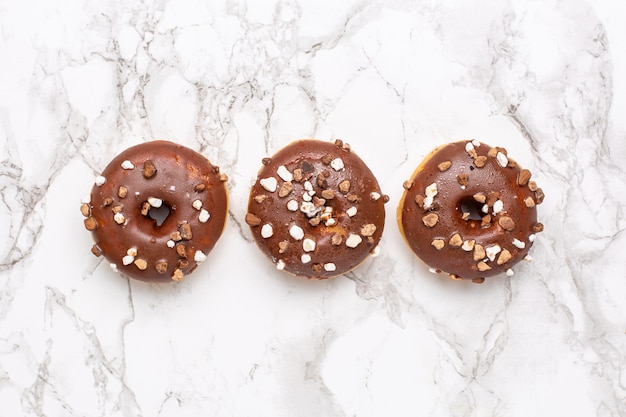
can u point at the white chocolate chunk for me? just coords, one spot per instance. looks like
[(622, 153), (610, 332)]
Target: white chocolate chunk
[(127, 260), (269, 184), (204, 216), (485, 208), (468, 245), (374, 196), (308, 245), (132, 252), (100, 180), (503, 161), (155, 202), (296, 232), (305, 258), (353, 240), (267, 231), (337, 164), (280, 265), (476, 143), (492, 251), (199, 257), (330, 222), (351, 211), (170, 243), (308, 186), (519, 244), (292, 205), (428, 201), (330, 267), (498, 206), (510, 272), (431, 190), (197, 204), (469, 147), (532, 237), (128, 165), (284, 173)]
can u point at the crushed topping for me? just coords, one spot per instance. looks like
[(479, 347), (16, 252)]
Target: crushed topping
[(178, 275), (374, 196), (519, 244), (260, 198), (353, 240), (337, 164), (529, 202), (283, 246), (480, 161), (468, 245), (122, 191), (503, 161), (532, 237), (482, 266), (480, 197), (344, 186), (479, 252), (199, 257), (351, 211), (292, 205), (127, 165), (463, 180), (444, 166), (84, 209), (284, 173), (161, 267), (269, 184), (336, 239), (330, 267), (185, 230), (127, 260), (141, 264), (149, 170), (430, 220), (204, 216), (498, 206), (305, 258), (267, 231), (523, 177), (438, 243), (119, 218), (285, 189), (100, 180), (368, 230), (504, 257), (455, 241), (506, 223), (170, 243), (155, 202), (296, 232), (492, 251), (431, 190), (197, 204), (308, 245), (510, 272)]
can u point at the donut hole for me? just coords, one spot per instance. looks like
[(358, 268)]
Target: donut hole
[(159, 214), (471, 206)]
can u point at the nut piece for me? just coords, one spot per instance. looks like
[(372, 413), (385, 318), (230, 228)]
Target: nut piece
[(505, 256), (463, 180), (148, 169), (368, 230), (176, 236), (260, 198), (84, 209), (336, 239), (407, 184), (455, 241), (537, 227), (438, 244), (145, 208), (122, 191), (161, 267), (252, 219), (178, 275), (199, 188), (482, 267), (530, 203), (181, 250), (430, 220), (90, 223), (185, 231), (282, 246), (478, 280), (479, 252), (344, 186), (480, 161), (141, 264), (523, 177), (95, 249), (328, 194), (506, 223), (444, 166), (480, 197), (285, 189)]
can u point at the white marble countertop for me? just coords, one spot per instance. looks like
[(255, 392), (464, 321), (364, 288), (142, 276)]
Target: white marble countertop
[(81, 81)]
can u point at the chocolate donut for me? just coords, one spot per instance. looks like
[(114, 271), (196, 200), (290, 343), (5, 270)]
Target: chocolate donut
[(469, 210), (316, 210), (156, 211)]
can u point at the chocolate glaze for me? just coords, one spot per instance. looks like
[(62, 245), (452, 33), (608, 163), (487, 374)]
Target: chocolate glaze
[(478, 168), (177, 176), (326, 166)]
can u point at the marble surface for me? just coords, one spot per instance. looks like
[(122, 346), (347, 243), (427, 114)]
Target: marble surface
[(81, 81)]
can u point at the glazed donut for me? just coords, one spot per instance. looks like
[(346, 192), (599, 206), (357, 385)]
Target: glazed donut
[(469, 210), (156, 211), (316, 210)]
